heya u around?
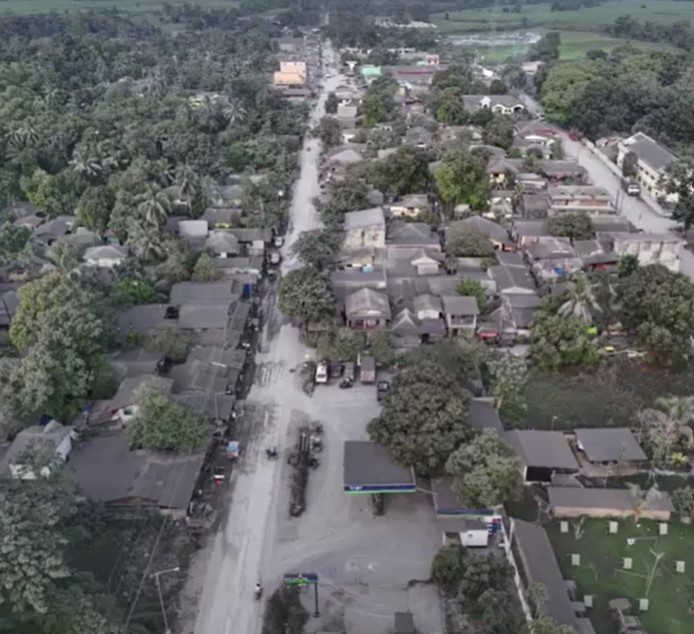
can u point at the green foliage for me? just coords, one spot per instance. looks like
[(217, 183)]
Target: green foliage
[(406, 171), (563, 87), (16, 248), (658, 306), (331, 103), (205, 269), (462, 178), (132, 291), (680, 182), (630, 164), (165, 425), (462, 241), (381, 346), (508, 378), (449, 108), (547, 48), (423, 418), (317, 248), (500, 131), (487, 472), (330, 132), (340, 344), (343, 197), (305, 295), (575, 226), (284, 612), (472, 288), (683, 501), (557, 342), (33, 517), (170, 342), (627, 265), (94, 208), (378, 103), (55, 195), (447, 569)]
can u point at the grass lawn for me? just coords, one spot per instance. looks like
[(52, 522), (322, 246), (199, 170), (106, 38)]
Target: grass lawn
[(131, 6), (609, 395), (585, 19), (601, 571)]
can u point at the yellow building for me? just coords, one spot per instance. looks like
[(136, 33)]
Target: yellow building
[(290, 74)]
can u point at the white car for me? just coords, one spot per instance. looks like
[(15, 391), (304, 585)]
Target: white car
[(322, 372)]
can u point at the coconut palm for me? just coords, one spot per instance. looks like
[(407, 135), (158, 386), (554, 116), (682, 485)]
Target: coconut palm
[(154, 205), (88, 166), (189, 185), (580, 299), (145, 243)]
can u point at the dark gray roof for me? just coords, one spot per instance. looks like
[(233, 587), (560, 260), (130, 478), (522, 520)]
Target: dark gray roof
[(364, 218), (205, 316), (128, 389), (511, 277), (222, 242), (141, 318), (483, 415), (445, 500), (366, 302), (652, 154), (561, 168), (221, 215), (460, 305), (105, 470), (611, 444), (218, 405), (133, 363), (540, 565), (218, 355), (183, 292), (536, 448), (529, 228), (493, 229), (370, 464), (198, 376), (606, 499), (251, 235), (39, 437)]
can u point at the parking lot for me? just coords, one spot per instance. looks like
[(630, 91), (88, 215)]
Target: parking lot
[(368, 567)]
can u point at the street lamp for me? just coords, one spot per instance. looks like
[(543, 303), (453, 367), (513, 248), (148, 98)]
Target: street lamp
[(156, 576)]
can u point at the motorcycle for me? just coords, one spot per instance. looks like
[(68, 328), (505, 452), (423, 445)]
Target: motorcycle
[(271, 453), (258, 592)]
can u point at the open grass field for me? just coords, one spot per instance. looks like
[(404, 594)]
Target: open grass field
[(601, 572), (574, 44), (28, 7), (586, 19)]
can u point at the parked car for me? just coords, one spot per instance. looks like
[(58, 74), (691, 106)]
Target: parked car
[(322, 372), (631, 187), (382, 388), (349, 371)]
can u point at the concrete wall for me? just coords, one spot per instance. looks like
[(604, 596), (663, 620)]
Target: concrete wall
[(569, 512)]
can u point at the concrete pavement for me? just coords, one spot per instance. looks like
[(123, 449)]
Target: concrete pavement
[(240, 556)]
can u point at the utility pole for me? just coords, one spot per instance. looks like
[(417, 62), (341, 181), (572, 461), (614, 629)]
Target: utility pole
[(156, 576)]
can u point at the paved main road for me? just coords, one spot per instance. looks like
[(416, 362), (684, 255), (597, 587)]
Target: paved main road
[(240, 556), (637, 212)]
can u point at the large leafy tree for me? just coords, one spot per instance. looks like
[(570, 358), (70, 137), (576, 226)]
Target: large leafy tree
[(466, 242), (462, 178), (330, 132), (94, 208), (680, 182), (658, 305), (33, 542), (487, 471), (317, 248), (305, 295), (406, 171), (666, 428), (423, 418), (205, 269), (557, 342), (340, 344), (575, 226), (166, 425), (500, 131)]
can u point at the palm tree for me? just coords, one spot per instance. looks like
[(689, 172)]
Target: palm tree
[(89, 167), (154, 205), (189, 185), (145, 243), (580, 299)]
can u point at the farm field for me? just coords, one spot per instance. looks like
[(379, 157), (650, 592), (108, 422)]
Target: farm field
[(574, 44), (541, 15), (601, 571), (28, 7)]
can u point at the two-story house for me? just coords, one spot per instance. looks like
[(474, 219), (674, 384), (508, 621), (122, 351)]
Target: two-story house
[(653, 160), (460, 313), (367, 309), (498, 104), (365, 228)]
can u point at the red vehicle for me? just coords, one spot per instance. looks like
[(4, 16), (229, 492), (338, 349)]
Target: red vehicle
[(574, 135)]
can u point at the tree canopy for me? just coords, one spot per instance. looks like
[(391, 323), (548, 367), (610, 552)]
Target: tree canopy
[(575, 226), (557, 341), (462, 178), (305, 295), (466, 242)]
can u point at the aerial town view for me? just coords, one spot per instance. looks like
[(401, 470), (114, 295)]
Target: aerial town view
[(347, 317)]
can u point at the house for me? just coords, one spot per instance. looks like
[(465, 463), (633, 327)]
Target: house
[(595, 256), (571, 502), (611, 224), (427, 306), (412, 235), (553, 258), (348, 281), (347, 114), (223, 244), (107, 470), (367, 309), (412, 262), (537, 132), (409, 331), (517, 313), (79, 240), (192, 292), (349, 135), (609, 445), (466, 532), (542, 453), (577, 198), (205, 316), (409, 206), (498, 104), (365, 228), (536, 565), (140, 320), (108, 256), (460, 313), (649, 248), (419, 137), (194, 232), (254, 241), (511, 275), (535, 206), (50, 231), (290, 74), (499, 166), (221, 217), (122, 406), (498, 235), (525, 232), (653, 162), (567, 172), (50, 442)]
